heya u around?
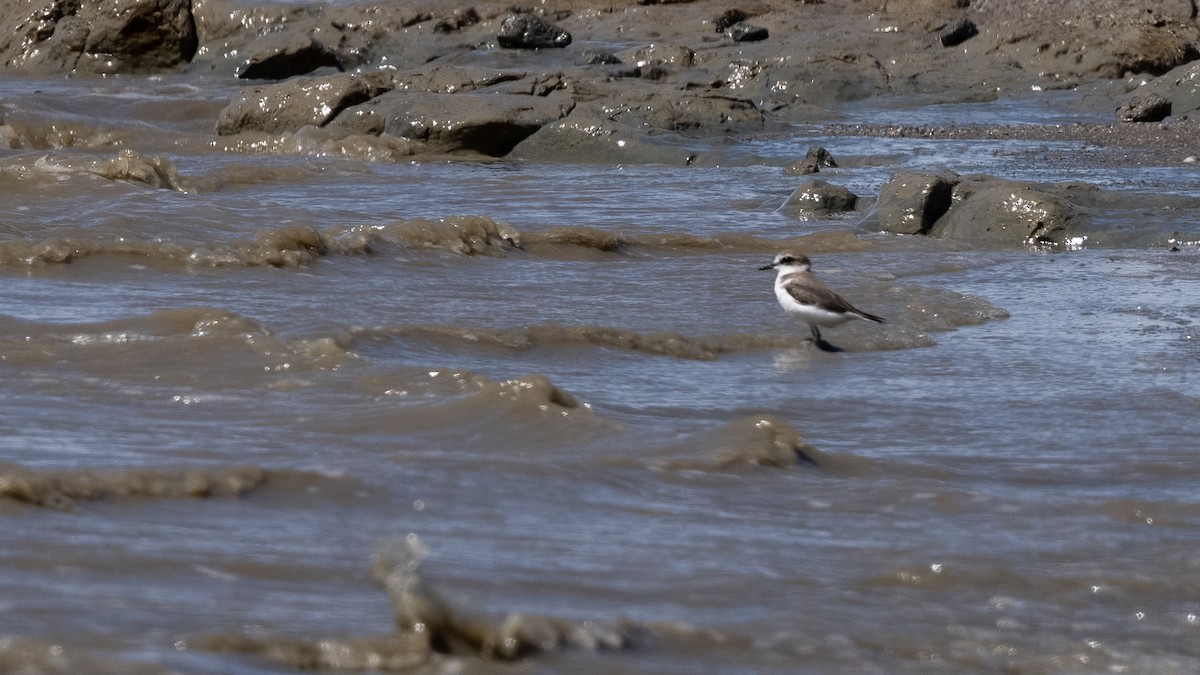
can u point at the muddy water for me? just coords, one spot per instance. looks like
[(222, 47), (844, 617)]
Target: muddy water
[(265, 409)]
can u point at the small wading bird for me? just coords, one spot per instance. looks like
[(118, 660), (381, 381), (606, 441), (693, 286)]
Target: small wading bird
[(806, 297)]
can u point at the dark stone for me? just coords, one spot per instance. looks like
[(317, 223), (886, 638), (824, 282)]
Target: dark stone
[(812, 162), (460, 20), (957, 32), (1147, 107), (522, 30), (485, 123), (596, 57), (278, 56), (746, 33), (911, 202), (728, 19)]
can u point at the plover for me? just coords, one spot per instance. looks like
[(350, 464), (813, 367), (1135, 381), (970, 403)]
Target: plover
[(806, 297)]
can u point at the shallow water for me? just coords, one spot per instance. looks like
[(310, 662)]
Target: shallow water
[(225, 403)]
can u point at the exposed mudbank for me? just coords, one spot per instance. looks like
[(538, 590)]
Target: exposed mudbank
[(63, 489)]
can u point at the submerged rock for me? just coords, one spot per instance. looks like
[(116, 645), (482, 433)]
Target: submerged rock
[(525, 30)]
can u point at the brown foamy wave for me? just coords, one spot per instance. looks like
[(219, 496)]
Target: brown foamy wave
[(61, 490), (529, 337), (896, 335), (754, 441), (42, 657), (529, 411), (126, 165), (239, 346), (569, 242), (465, 235), (427, 625), (289, 246), (299, 244)]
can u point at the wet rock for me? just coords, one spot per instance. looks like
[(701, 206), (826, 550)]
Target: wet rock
[(744, 32), (289, 106), (525, 30), (1148, 107), (957, 32), (659, 55), (911, 202), (460, 19), (728, 19), (984, 209), (280, 55), (812, 163), (597, 57), (647, 106), (117, 36), (591, 136), (818, 197), (988, 210), (489, 124)]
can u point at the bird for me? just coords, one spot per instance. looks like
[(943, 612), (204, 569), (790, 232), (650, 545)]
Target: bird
[(806, 297)]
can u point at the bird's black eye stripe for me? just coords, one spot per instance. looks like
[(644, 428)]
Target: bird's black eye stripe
[(787, 259)]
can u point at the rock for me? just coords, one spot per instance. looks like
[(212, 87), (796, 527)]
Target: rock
[(911, 202), (1011, 213), (818, 197), (659, 55), (280, 55), (728, 19), (288, 106), (524, 30), (957, 32), (485, 123), (115, 36), (589, 135), (743, 32), (597, 57), (460, 19), (1180, 86), (985, 210), (812, 163), (1147, 107)]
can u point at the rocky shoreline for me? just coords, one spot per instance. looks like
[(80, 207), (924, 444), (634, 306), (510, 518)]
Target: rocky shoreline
[(621, 82)]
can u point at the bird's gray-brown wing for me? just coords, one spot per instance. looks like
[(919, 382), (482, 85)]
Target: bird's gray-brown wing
[(806, 289)]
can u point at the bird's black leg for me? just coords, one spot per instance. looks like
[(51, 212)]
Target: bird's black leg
[(821, 343)]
